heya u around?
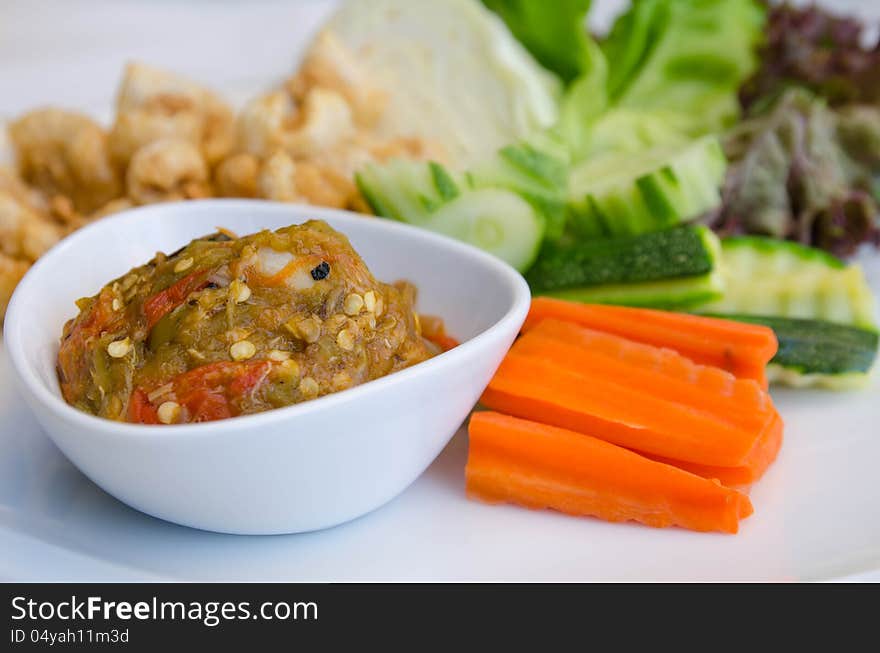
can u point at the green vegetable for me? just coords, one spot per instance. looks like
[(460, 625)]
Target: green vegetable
[(504, 207), (777, 278), (555, 34), (665, 269), (496, 220), (818, 353), (687, 56), (538, 176), (405, 190), (633, 193)]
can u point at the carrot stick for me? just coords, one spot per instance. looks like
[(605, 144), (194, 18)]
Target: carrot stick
[(742, 349), (656, 371), (607, 407), (538, 466), (761, 457)]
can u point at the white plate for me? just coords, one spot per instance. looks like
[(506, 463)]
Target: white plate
[(817, 511)]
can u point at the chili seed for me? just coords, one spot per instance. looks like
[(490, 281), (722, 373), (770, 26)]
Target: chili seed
[(345, 340), (242, 350), (353, 304), (341, 381), (278, 355), (117, 303), (239, 291), (168, 412), (183, 264), (308, 386), (119, 348), (307, 329), (370, 301)]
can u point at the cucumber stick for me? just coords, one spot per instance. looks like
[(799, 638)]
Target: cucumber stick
[(676, 268), (631, 193), (818, 353), (766, 276)]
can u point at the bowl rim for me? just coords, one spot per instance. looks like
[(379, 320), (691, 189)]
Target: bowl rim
[(515, 313)]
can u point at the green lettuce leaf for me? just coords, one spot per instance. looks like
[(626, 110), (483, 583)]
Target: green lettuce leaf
[(687, 56), (554, 32)]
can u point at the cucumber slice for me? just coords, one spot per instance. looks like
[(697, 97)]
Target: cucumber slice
[(538, 175), (770, 277), (493, 219), (632, 193), (504, 206), (666, 269), (818, 353), (406, 191)]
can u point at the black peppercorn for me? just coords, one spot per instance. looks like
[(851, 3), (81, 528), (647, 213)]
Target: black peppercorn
[(321, 271)]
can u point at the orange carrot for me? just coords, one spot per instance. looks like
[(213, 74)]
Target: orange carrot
[(608, 407), (761, 457), (656, 371), (742, 349), (538, 466)]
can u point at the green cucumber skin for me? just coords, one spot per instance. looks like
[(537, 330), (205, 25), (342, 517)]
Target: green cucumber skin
[(814, 347), (666, 295), (775, 246), (684, 183), (655, 256), (661, 211), (541, 168), (537, 176), (446, 187), (375, 203)]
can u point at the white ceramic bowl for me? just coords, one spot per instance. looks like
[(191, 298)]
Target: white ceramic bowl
[(288, 470)]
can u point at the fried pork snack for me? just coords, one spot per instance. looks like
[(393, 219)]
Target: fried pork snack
[(166, 170), (154, 104), (65, 153), (173, 139)]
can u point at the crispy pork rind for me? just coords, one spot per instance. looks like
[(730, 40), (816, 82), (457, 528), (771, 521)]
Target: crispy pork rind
[(236, 176), (324, 186), (330, 65), (25, 233), (275, 121), (154, 104), (11, 272), (65, 153), (277, 178), (12, 184), (167, 170)]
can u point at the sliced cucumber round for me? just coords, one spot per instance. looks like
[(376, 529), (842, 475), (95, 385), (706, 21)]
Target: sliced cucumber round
[(633, 193), (493, 219)]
